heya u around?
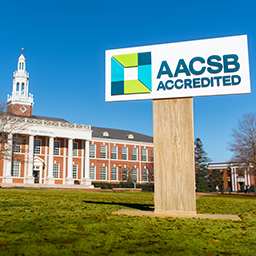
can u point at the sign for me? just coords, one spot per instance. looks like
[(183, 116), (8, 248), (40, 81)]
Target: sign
[(207, 67)]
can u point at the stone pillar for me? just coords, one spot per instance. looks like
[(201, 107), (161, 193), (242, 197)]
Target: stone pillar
[(86, 179), (29, 178), (174, 162), (50, 179), (8, 161), (69, 180)]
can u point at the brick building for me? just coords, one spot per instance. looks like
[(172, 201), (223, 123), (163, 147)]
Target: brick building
[(234, 176), (52, 152)]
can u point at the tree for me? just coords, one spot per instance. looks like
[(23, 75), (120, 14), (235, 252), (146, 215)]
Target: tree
[(215, 179), (243, 143), (201, 165), (9, 125)]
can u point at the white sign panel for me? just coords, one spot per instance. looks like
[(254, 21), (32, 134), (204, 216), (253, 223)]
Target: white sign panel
[(217, 66)]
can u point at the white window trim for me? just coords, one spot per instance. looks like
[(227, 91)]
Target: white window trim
[(135, 169), (75, 149), (90, 146), (116, 170), (105, 167), (134, 155), (39, 146), (106, 151), (146, 150), (76, 172), (18, 143), (58, 148), (145, 169), (19, 169), (125, 154), (115, 153), (58, 170), (94, 170)]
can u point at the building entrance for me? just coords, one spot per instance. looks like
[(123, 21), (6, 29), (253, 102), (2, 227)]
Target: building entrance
[(36, 174)]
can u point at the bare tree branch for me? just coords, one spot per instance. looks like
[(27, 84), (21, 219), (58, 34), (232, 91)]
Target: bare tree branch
[(243, 144)]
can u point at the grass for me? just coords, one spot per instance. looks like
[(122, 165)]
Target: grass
[(53, 222)]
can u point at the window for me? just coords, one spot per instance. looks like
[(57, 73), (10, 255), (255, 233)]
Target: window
[(103, 151), (130, 136), (92, 172), (75, 149), (135, 174), (113, 173), (92, 151), (105, 134), (15, 169), (153, 175), (113, 152), (22, 86), (37, 147), (16, 145), (17, 87), (144, 174), (134, 154), (152, 155), (103, 173), (144, 155), (56, 150), (124, 153), (124, 173), (55, 173), (75, 168)]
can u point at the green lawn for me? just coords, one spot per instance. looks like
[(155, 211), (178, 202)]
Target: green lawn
[(54, 222)]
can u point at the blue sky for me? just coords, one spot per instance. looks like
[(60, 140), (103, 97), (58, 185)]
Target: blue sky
[(65, 43)]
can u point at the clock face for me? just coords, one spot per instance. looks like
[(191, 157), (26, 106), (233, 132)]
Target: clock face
[(23, 109)]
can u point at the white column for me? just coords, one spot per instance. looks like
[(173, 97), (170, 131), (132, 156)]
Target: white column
[(235, 179), (248, 175), (86, 180), (82, 160), (245, 177), (8, 161), (69, 180), (50, 180), (232, 179), (29, 178)]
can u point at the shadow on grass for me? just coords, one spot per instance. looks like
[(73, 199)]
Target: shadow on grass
[(143, 207)]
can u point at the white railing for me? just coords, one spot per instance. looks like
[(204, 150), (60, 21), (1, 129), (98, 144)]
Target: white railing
[(42, 122)]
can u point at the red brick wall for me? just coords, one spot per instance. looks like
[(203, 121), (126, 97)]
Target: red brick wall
[(15, 109), (119, 163)]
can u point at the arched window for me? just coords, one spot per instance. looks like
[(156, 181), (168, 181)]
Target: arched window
[(20, 65), (18, 87), (22, 86)]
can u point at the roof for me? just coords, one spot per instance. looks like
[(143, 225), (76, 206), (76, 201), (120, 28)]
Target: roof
[(42, 118), (48, 118), (97, 132)]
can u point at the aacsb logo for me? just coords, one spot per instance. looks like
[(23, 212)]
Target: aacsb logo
[(131, 73)]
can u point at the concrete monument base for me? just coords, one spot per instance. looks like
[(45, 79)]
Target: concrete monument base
[(176, 215)]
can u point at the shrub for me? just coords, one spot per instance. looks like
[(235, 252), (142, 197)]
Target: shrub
[(252, 188), (148, 187)]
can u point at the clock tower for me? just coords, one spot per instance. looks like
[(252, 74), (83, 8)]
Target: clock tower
[(21, 102)]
